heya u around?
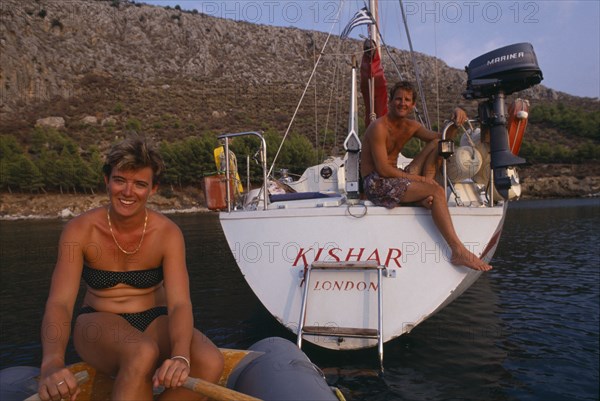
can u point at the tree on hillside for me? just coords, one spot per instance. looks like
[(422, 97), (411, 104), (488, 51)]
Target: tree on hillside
[(568, 119), (187, 161), (23, 174), (47, 162), (297, 154), (9, 147), (96, 179), (10, 155), (172, 174), (196, 154)]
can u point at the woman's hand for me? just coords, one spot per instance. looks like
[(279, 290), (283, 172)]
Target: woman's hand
[(172, 373), (58, 383)]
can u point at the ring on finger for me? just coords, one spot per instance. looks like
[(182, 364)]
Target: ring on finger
[(60, 382)]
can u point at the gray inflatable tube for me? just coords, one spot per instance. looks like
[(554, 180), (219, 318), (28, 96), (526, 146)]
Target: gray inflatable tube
[(18, 383), (282, 373)]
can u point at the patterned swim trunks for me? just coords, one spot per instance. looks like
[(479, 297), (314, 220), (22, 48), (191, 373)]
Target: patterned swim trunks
[(387, 192)]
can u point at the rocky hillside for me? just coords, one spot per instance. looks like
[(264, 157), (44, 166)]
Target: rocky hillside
[(179, 73), (107, 67)]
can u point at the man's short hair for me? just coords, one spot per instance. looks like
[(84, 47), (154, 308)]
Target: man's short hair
[(404, 85)]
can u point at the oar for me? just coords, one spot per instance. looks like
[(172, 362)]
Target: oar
[(213, 391), (81, 377), (216, 392)]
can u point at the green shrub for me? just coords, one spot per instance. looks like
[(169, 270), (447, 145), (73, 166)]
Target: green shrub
[(118, 109), (133, 124), (568, 119)]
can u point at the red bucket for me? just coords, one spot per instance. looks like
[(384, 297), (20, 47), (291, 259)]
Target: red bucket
[(215, 192)]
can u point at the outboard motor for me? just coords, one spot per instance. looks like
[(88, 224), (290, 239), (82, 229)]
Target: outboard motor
[(493, 76)]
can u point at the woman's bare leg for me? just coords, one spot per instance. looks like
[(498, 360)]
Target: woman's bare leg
[(206, 363), (107, 342)]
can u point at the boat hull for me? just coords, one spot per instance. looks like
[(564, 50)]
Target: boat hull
[(273, 247)]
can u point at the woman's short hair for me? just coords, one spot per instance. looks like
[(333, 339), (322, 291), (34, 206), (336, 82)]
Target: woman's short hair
[(134, 153)]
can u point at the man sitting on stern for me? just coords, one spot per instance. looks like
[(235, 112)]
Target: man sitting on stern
[(386, 185)]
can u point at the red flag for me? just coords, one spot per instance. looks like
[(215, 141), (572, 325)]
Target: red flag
[(371, 68)]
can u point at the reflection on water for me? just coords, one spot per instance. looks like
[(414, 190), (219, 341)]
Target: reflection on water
[(526, 330), (549, 294)]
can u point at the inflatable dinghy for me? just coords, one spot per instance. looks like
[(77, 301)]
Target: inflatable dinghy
[(271, 369)]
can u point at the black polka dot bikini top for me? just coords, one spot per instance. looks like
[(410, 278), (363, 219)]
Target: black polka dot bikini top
[(99, 279)]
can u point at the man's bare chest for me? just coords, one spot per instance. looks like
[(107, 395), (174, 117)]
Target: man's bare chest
[(397, 137)]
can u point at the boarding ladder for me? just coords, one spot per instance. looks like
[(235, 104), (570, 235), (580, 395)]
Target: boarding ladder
[(349, 332)]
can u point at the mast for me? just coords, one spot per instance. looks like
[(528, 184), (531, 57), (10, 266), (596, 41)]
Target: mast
[(374, 6), (373, 85), (352, 143)]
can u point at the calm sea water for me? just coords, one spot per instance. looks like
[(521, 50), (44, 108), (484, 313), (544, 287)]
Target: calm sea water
[(528, 330)]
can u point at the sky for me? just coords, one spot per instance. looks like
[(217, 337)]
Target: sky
[(565, 34)]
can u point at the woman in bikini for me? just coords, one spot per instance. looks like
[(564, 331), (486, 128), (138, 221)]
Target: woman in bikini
[(135, 322)]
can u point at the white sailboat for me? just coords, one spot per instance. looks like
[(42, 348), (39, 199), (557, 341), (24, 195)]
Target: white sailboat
[(345, 274)]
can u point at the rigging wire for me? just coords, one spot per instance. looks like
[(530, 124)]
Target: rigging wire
[(312, 74), (423, 118), (421, 95), (337, 112), (436, 72), (415, 66), (333, 87), (316, 99)]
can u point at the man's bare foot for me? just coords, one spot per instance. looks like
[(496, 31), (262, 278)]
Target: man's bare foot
[(465, 258)]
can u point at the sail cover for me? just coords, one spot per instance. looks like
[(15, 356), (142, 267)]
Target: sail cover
[(372, 71)]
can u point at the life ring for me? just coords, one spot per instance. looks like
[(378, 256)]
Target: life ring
[(518, 112), (467, 160), (464, 163)]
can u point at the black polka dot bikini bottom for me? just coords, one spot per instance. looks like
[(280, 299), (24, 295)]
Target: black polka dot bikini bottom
[(139, 320)]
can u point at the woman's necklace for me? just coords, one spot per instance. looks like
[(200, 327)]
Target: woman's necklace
[(115, 239)]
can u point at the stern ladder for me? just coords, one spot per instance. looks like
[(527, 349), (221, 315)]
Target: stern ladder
[(349, 332)]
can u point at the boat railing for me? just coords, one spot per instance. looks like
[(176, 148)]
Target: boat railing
[(445, 149), (263, 160)]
